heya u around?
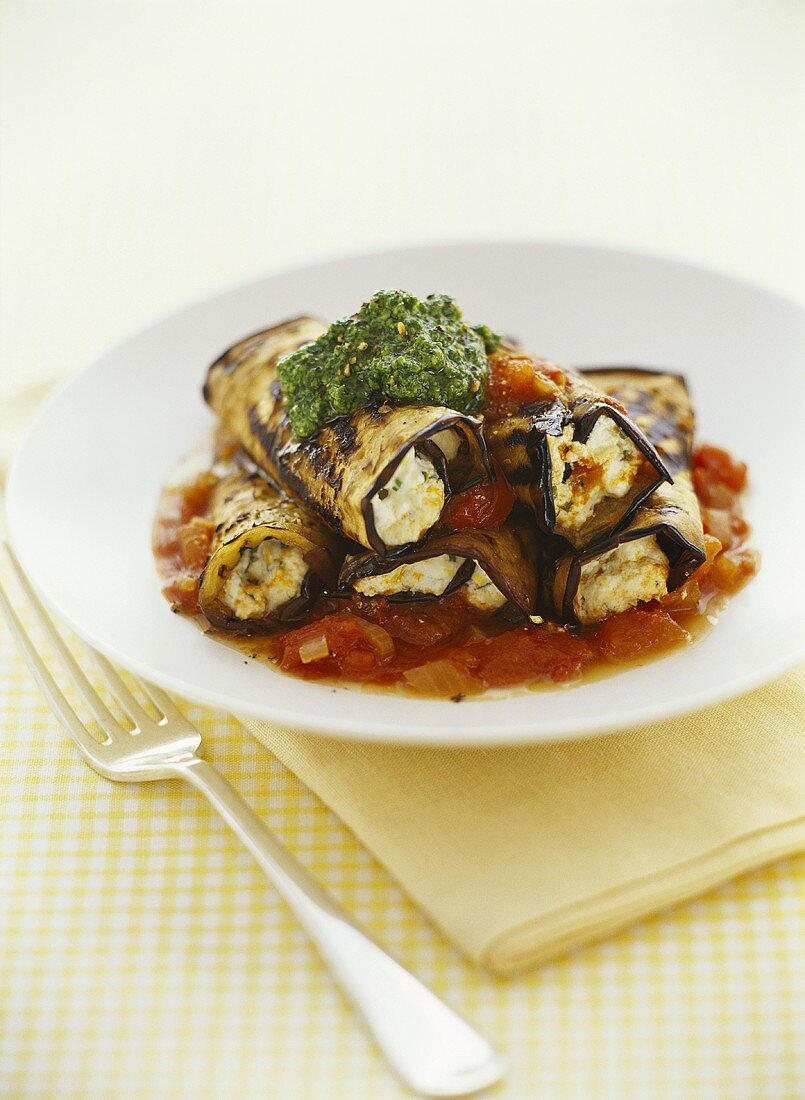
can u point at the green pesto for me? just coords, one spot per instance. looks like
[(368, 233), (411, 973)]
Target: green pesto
[(492, 340), (396, 348)]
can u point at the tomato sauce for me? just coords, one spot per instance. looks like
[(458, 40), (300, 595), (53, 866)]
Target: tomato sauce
[(442, 647), (181, 540)]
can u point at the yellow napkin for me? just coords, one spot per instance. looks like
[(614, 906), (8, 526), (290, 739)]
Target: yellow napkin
[(520, 854)]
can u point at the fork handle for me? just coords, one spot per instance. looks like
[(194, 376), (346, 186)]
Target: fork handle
[(432, 1049)]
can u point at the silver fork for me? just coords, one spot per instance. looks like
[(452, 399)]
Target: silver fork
[(432, 1049)]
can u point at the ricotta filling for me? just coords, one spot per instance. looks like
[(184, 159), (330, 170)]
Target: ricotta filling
[(606, 465), (265, 577), (482, 593), (410, 502), (430, 576), (622, 577)]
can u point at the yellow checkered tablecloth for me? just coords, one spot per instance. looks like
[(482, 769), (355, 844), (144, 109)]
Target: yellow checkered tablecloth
[(142, 954)]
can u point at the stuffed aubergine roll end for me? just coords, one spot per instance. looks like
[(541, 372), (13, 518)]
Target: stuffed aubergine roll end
[(571, 452), (660, 548), (491, 568), (269, 558), (662, 544)]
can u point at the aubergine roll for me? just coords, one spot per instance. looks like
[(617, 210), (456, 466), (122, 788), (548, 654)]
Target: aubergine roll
[(269, 560), (573, 455), (659, 402), (492, 568), (662, 544), (380, 476)]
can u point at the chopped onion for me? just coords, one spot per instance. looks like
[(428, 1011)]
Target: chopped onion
[(314, 649), (443, 678), (684, 598), (381, 640)]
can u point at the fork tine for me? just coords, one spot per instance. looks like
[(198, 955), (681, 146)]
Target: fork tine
[(162, 701), (124, 697), (106, 719), (50, 689)]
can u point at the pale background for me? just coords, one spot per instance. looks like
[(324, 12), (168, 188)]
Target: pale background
[(156, 152)]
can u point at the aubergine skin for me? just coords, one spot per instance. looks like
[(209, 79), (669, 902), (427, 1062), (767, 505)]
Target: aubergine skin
[(508, 555), (246, 510), (337, 471), (661, 404), (519, 444)]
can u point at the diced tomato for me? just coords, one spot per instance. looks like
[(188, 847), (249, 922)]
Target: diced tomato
[(721, 466), (684, 598), (718, 477), (717, 522), (712, 494), (532, 653), (712, 548), (738, 525), (727, 526), (182, 593), (633, 633), (356, 647), (516, 380), (195, 538), (484, 505), (732, 569)]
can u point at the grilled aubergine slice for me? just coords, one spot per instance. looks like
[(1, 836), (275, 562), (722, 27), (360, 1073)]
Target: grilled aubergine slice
[(493, 568), (574, 456), (380, 476), (662, 543), (269, 560)]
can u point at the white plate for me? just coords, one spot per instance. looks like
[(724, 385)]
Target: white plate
[(82, 491)]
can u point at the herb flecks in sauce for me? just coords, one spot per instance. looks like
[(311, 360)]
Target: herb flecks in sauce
[(397, 348)]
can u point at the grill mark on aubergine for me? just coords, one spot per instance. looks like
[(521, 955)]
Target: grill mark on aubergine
[(518, 437), (323, 462), (295, 485), (263, 433), (345, 433), (520, 475)]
